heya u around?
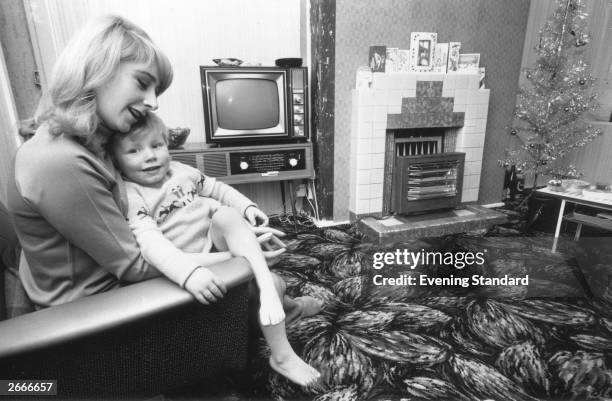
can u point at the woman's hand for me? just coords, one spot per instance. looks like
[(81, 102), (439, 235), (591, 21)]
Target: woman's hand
[(260, 230), (272, 257), (256, 217), (272, 247), (205, 286)]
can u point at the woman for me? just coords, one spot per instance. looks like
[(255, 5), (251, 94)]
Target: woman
[(66, 198)]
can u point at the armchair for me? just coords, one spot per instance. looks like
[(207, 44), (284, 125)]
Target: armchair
[(135, 341)]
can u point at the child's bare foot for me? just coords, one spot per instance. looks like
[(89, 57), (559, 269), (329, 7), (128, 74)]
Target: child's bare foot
[(310, 305), (295, 369)]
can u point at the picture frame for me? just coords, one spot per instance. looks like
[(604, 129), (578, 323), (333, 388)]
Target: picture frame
[(440, 58), (468, 62), (454, 48), (403, 64), (391, 64), (422, 48), (377, 59)]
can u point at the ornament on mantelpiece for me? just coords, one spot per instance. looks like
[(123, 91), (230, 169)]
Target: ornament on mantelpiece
[(581, 42), (481, 73)]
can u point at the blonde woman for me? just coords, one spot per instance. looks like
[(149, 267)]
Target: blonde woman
[(66, 197)]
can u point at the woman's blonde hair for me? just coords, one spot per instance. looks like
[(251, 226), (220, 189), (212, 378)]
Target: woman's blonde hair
[(89, 61)]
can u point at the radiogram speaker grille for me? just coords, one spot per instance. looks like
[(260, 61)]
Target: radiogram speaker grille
[(188, 159), (215, 165), (211, 164)]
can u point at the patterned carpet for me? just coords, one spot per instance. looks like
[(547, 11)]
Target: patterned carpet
[(550, 339)]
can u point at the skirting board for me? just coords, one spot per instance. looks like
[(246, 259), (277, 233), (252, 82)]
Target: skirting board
[(329, 223)]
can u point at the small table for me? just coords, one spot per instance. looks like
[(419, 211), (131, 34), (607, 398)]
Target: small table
[(577, 218)]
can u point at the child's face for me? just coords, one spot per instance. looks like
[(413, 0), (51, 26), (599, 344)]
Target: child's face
[(143, 158)]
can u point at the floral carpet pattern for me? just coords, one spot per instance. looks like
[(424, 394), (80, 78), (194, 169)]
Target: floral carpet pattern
[(549, 340)]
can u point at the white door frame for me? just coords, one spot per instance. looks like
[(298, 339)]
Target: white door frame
[(9, 126)]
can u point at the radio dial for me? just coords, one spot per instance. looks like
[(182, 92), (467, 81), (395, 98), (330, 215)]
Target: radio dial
[(244, 165), (293, 162)]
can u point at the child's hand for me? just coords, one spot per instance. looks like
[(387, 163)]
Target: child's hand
[(271, 309), (255, 216), (205, 286)]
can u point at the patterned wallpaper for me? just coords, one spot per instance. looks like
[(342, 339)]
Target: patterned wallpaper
[(493, 28)]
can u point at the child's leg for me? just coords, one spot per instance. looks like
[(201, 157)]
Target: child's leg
[(284, 360), (295, 308), (230, 231)]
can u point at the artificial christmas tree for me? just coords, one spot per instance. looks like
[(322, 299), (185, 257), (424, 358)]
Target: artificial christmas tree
[(559, 91)]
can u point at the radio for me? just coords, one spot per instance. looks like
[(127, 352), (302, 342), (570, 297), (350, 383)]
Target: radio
[(246, 164)]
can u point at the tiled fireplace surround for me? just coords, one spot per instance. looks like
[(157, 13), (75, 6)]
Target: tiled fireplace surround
[(413, 101)]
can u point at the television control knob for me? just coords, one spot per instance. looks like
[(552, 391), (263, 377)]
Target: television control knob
[(244, 165), (293, 162)]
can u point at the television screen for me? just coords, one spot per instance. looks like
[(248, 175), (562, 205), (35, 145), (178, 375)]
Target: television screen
[(245, 104)]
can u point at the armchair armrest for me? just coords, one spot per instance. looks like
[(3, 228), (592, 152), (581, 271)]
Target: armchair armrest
[(104, 311)]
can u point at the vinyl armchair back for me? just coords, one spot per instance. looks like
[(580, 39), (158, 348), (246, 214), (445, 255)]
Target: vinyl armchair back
[(134, 341)]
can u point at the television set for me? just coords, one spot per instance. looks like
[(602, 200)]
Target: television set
[(255, 105)]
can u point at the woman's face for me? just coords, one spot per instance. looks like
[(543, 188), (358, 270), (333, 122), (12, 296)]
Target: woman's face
[(129, 95)]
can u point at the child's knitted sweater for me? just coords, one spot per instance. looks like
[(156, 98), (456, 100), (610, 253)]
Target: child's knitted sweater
[(175, 219)]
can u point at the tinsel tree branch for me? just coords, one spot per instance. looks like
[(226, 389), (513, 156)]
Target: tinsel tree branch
[(558, 92)]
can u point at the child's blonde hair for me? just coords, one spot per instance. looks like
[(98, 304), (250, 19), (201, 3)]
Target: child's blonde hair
[(151, 122), (89, 61)]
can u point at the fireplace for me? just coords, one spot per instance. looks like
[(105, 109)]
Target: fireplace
[(416, 143), (420, 175)]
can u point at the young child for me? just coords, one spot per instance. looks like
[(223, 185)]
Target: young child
[(178, 216)]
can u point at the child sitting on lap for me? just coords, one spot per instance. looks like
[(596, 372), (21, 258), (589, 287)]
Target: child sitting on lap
[(178, 216)]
